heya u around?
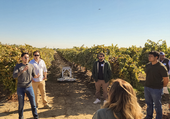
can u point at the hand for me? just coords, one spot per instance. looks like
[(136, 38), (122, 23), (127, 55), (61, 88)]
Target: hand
[(37, 76), (44, 78), (33, 80), (26, 68)]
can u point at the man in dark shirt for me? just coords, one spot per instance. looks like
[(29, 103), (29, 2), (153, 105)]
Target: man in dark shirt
[(101, 73), (24, 72), (165, 61), (156, 79)]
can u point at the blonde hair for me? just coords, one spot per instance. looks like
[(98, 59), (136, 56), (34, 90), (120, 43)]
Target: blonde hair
[(122, 100)]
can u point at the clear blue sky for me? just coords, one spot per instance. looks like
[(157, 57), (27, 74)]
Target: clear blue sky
[(68, 23)]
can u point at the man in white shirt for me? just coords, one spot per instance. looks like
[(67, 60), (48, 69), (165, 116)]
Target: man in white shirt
[(39, 83)]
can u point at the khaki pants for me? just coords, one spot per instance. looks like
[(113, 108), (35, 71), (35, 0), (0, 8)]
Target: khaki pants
[(104, 85), (41, 86)]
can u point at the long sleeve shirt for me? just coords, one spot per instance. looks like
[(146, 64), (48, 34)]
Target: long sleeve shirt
[(40, 68), (25, 79)]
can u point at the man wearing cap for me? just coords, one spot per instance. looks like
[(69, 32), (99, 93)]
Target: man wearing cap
[(166, 62)]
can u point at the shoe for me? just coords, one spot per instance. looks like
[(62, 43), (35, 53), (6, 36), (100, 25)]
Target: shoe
[(37, 108), (97, 101), (104, 101), (47, 107)]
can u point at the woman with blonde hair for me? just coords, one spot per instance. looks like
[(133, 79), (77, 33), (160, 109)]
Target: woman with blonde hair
[(121, 103)]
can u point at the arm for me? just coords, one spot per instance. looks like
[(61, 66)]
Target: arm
[(165, 81), (33, 73), (37, 76), (17, 73), (164, 73), (45, 75), (45, 71)]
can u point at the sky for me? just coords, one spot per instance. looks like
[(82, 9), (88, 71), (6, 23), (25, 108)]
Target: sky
[(69, 23)]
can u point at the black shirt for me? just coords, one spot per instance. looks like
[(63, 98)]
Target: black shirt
[(155, 74), (100, 74)]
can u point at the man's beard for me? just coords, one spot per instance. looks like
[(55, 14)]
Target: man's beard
[(25, 62)]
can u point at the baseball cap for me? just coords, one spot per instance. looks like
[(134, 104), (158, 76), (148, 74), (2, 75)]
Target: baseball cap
[(162, 53)]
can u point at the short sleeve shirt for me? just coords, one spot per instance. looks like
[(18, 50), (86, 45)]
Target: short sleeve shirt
[(155, 74)]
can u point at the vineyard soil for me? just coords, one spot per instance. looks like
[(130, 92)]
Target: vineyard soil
[(70, 100)]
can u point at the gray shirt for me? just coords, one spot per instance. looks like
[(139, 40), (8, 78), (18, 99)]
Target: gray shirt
[(24, 80), (104, 114)]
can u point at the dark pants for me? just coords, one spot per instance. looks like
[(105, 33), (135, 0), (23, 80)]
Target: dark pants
[(153, 97), (30, 93)]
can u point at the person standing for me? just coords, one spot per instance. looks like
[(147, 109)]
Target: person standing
[(24, 72), (156, 79), (102, 74), (166, 62), (39, 83)]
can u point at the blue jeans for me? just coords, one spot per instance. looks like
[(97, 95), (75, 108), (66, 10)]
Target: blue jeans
[(21, 94), (153, 97)]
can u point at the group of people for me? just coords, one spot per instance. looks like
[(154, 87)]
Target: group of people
[(120, 100), (31, 77)]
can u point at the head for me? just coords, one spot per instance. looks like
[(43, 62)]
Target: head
[(25, 58), (36, 55), (101, 57), (122, 99), (162, 55), (153, 56)]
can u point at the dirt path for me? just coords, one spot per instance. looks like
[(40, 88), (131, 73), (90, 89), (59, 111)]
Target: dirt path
[(70, 100)]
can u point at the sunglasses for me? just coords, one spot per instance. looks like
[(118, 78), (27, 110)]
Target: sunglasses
[(26, 57), (36, 55)]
